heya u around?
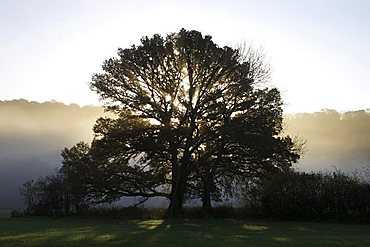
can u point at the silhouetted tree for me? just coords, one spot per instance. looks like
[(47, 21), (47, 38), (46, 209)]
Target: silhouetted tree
[(76, 171), (63, 192), (31, 195), (186, 108), (47, 196)]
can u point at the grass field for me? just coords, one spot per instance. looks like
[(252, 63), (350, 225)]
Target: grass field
[(114, 232)]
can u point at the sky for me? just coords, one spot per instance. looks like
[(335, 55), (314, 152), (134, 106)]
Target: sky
[(319, 50)]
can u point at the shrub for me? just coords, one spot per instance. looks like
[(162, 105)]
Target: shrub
[(17, 213), (311, 196)]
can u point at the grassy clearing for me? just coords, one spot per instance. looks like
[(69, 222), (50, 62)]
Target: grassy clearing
[(115, 232)]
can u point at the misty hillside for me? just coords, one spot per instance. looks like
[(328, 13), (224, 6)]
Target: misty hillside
[(340, 140), (33, 134)]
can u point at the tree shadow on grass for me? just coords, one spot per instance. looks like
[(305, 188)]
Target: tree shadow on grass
[(82, 232), (113, 232)]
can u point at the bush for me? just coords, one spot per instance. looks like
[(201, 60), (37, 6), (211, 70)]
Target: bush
[(311, 196), (17, 213)]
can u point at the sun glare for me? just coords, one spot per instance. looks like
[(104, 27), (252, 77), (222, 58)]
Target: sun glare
[(168, 98)]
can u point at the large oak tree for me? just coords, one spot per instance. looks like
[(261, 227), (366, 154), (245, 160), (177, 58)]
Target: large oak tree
[(190, 116)]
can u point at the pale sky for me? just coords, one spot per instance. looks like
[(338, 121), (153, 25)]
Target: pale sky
[(319, 49)]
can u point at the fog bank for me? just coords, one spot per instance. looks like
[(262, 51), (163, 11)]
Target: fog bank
[(334, 140), (32, 136)]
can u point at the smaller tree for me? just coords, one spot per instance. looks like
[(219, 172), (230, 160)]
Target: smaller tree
[(30, 192), (76, 170), (52, 195)]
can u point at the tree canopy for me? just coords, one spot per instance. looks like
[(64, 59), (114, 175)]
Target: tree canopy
[(191, 117)]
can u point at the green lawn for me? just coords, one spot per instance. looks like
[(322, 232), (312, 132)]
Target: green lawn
[(114, 232)]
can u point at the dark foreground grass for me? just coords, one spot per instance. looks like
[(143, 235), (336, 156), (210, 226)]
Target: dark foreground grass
[(114, 232), (4, 213)]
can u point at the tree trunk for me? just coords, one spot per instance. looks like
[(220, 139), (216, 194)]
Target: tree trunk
[(206, 200), (180, 172), (174, 210), (177, 197)]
